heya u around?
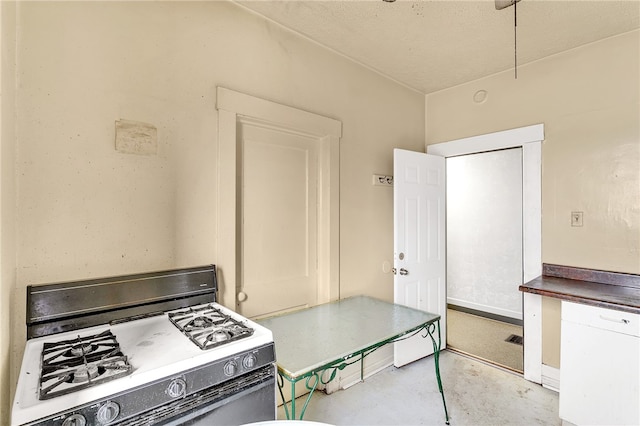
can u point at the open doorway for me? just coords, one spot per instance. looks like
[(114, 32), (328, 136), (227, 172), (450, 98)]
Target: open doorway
[(530, 139), (485, 255)]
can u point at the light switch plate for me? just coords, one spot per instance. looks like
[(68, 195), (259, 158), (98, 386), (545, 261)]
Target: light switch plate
[(576, 218)]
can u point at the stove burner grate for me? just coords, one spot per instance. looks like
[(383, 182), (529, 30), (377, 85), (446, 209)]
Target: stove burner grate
[(71, 365), (208, 327)]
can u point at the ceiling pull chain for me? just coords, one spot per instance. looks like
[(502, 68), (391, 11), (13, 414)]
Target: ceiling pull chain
[(515, 39)]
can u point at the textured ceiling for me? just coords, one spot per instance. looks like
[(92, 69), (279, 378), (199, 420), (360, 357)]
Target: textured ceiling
[(430, 45)]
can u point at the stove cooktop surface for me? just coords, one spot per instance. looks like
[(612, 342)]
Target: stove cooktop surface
[(80, 362), (154, 349), (208, 326)]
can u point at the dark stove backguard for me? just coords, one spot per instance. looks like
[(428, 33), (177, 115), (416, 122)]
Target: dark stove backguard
[(59, 307)]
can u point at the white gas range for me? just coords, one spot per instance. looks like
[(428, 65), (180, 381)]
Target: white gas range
[(159, 359)]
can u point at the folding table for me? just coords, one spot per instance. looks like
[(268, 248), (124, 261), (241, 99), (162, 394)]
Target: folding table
[(312, 344)]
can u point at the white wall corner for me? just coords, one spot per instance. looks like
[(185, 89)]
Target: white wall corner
[(533, 337), (551, 377), (532, 209)]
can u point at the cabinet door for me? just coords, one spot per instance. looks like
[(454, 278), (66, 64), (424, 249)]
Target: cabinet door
[(599, 371)]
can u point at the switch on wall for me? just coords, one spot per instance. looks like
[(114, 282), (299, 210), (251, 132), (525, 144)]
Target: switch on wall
[(382, 180), (576, 218)]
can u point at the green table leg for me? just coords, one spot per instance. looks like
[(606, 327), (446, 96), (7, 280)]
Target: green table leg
[(436, 359), (311, 387), (313, 378)]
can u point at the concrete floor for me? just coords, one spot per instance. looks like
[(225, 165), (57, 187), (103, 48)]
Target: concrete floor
[(476, 394)]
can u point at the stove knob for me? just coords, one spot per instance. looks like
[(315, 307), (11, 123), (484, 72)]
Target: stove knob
[(177, 388), (249, 361), (108, 412), (75, 420), (230, 368)]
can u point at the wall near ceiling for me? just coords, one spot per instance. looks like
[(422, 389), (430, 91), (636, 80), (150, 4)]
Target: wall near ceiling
[(86, 210), (589, 101)]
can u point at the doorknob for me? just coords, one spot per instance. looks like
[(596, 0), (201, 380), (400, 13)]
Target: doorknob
[(404, 271), (242, 296)]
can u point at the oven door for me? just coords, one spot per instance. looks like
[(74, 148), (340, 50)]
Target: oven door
[(247, 399)]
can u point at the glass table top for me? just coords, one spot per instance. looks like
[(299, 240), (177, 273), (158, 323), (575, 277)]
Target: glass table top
[(313, 337)]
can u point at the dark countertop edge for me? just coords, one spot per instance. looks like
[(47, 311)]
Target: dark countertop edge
[(593, 275), (585, 292)]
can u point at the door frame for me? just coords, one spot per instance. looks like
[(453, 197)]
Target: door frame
[(234, 107), (530, 139)]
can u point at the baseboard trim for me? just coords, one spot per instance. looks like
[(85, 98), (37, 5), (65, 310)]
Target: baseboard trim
[(551, 377), (373, 363), (485, 361), (370, 370), (485, 314), (485, 308)]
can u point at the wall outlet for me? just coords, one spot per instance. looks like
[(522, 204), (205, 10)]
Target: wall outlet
[(382, 180), (576, 218)]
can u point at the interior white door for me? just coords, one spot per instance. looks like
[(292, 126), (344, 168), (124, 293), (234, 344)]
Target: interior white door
[(279, 214), (419, 244)]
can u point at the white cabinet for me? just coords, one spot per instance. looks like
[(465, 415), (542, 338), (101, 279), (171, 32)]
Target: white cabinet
[(599, 366)]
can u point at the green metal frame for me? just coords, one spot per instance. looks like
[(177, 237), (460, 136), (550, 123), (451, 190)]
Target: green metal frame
[(316, 376)]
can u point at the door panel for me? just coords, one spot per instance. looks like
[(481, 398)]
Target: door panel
[(278, 229), (419, 244)]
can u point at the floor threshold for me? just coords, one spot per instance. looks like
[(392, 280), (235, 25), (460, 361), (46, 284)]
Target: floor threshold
[(486, 361)]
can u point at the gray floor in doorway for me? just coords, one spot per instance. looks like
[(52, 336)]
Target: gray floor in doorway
[(476, 394)]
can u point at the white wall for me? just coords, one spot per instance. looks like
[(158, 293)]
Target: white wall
[(484, 232), (86, 210)]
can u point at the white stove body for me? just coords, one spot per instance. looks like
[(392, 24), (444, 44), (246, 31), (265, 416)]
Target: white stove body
[(155, 348)]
